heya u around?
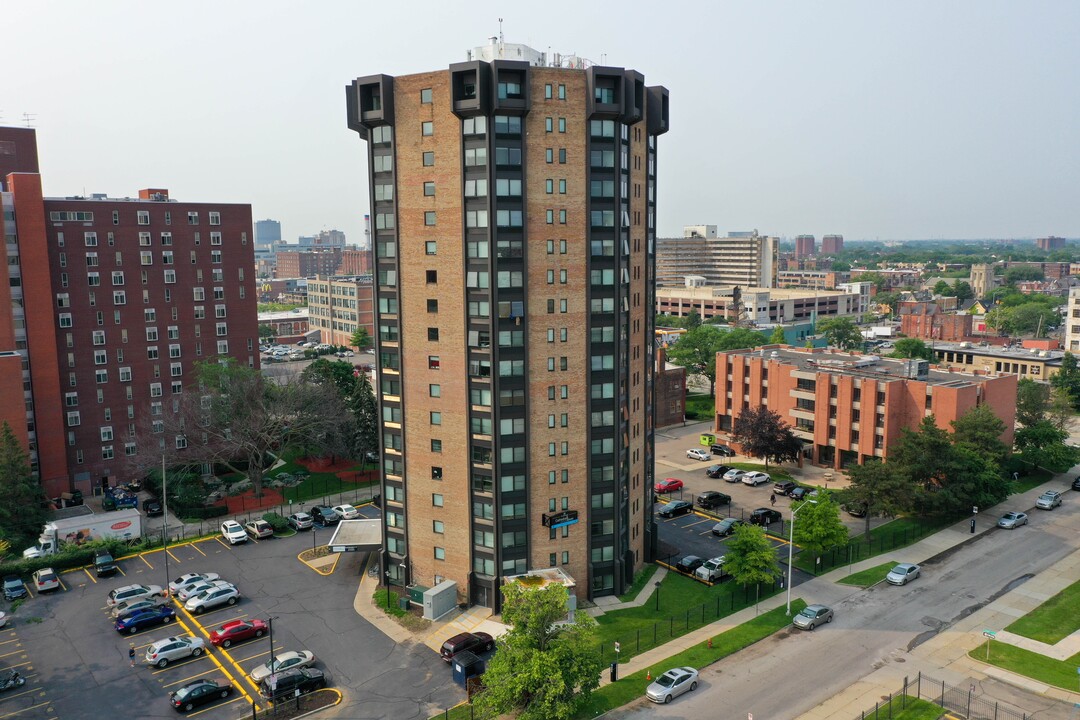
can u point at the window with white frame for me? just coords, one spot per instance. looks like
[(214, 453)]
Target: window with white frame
[(223, 347), (155, 389), (215, 218), (99, 337), (106, 433)]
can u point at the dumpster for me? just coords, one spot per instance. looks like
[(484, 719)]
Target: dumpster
[(467, 665), (403, 603), (707, 439)]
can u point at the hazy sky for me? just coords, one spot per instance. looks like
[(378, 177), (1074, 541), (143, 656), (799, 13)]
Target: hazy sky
[(917, 119)]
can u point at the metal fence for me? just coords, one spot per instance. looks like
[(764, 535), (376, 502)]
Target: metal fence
[(962, 701)]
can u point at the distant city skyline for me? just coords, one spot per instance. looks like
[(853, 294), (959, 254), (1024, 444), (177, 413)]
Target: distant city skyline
[(878, 122)]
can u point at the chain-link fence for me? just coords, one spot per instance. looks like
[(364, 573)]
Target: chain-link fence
[(963, 701)]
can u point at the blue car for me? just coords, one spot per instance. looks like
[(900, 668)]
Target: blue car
[(143, 619)]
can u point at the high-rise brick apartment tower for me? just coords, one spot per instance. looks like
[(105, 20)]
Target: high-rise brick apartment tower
[(514, 205), (805, 246)]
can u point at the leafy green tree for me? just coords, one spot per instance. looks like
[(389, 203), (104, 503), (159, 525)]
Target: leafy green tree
[(920, 454), (969, 478), (542, 670), (740, 338), (266, 332), (22, 510), (942, 287), (361, 338), (980, 430), (818, 527), (669, 321), (1022, 273), (961, 290), (762, 433), (879, 280), (841, 332), (1032, 401), (1059, 411), (693, 320), (696, 350), (1044, 445), (365, 412), (912, 348), (335, 374), (1067, 379), (777, 337), (879, 488), (751, 558)]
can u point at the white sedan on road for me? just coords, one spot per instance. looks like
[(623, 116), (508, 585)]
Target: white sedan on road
[(756, 478)]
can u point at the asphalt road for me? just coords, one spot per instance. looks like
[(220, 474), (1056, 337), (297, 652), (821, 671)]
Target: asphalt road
[(794, 671)]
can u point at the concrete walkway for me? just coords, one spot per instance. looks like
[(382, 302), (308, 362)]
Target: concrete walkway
[(607, 603)]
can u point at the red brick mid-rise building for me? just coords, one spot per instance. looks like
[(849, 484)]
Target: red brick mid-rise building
[(928, 321), (355, 262), (805, 246), (850, 408), (128, 295), (306, 263)]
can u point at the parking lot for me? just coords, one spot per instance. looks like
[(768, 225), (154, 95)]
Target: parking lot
[(65, 644)]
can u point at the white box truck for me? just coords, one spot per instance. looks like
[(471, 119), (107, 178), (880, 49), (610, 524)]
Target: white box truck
[(122, 525)]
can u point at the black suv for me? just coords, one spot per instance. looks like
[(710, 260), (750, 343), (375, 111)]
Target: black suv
[(152, 507), (689, 564), (104, 564), (765, 516), (287, 682), (715, 471), (324, 515), (784, 487), (712, 499), (721, 450), (14, 587)]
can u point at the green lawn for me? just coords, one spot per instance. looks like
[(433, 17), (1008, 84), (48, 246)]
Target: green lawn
[(1033, 479), (1059, 673), (898, 533), (318, 484), (916, 710), (700, 407), (1054, 620), (868, 577), (640, 581)]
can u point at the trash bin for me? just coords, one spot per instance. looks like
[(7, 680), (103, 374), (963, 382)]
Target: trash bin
[(465, 666), (403, 603)]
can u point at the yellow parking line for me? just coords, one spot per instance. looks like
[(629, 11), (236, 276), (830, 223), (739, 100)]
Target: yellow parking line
[(189, 678), (251, 657), (196, 548), (143, 558), (24, 692), (92, 578), (696, 523), (5, 642), (222, 543), (121, 571), (213, 659), (13, 652), (174, 557), (22, 710), (14, 665)]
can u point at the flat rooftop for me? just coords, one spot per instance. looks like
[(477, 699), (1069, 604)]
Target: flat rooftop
[(1013, 353)]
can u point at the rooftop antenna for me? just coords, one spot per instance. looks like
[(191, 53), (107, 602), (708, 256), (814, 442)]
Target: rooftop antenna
[(28, 118), (500, 32)]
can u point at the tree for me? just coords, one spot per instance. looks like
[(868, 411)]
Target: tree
[(361, 338), (1022, 273), (696, 351), (777, 337), (920, 454), (880, 490), (879, 280), (365, 411), (751, 558), (942, 287), (912, 348), (961, 289), (841, 332), (542, 670), (1043, 444), (980, 430), (969, 479), (740, 338), (266, 332), (693, 320), (22, 501), (1032, 401), (1059, 411), (1067, 379), (763, 433), (818, 527), (338, 375)]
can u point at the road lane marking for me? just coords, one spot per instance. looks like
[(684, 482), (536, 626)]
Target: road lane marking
[(22, 710), (239, 688), (189, 678), (143, 558), (13, 652), (174, 557), (698, 522), (92, 578), (196, 548)]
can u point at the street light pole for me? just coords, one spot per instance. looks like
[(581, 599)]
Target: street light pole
[(270, 622), (790, 556), (165, 517), (657, 585)]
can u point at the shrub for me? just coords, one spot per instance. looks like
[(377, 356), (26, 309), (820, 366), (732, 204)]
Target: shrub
[(277, 521)]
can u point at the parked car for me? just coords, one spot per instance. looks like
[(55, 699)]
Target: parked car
[(14, 588), (152, 507), (324, 515), (675, 508), (668, 485), (689, 563), (715, 471), (236, 631), (207, 599), (1012, 520), (1076, 483), (812, 616), (145, 618), (765, 516), (854, 510), (672, 684), (473, 642), (721, 450), (784, 487), (163, 652), (756, 478), (300, 521), (347, 512), (712, 499), (711, 570), (734, 475), (133, 592), (800, 493), (233, 532), (186, 593), (903, 573), (199, 692), (130, 607), (287, 682), (188, 579), (697, 454), (726, 526), (1048, 500), (104, 565), (46, 580), (258, 529), (283, 661)]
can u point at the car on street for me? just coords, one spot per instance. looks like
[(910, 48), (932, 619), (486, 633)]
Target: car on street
[(1048, 500), (283, 661), (668, 485), (1012, 520), (188, 579), (756, 478), (721, 450), (903, 573), (812, 616), (152, 507), (784, 487), (288, 683), (689, 563), (698, 454), (199, 692), (676, 508), (163, 652), (129, 607), (764, 516), (711, 570), (1076, 483), (46, 580), (207, 599), (715, 471), (473, 642), (712, 499), (800, 493), (145, 618), (324, 515), (734, 475), (672, 684), (300, 521), (233, 532), (14, 588), (133, 592), (258, 529), (726, 526), (347, 512), (236, 631)]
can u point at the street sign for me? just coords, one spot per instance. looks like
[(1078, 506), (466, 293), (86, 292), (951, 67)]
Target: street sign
[(992, 634), (617, 648)]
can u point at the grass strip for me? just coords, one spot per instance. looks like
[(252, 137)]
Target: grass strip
[(869, 576), (640, 581), (1059, 673), (1054, 620)]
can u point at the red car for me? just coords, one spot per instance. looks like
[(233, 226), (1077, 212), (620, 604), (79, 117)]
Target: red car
[(236, 630), (668, 485)]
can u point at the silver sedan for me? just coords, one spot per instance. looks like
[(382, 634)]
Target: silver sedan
[(672, 684), (1012, 520)]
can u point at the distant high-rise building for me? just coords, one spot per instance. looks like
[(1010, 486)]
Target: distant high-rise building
[(322, 239), (832, 244), (1050, 243), (307, 263), (982, 280), (745, 260), (267, 240), (805, 246), (1072, 322), (514, 213)]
